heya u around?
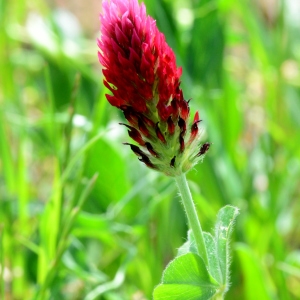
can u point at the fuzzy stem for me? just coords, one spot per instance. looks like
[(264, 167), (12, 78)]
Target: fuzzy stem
[(192, 216)]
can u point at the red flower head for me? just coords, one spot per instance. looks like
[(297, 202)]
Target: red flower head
[(141, 73)]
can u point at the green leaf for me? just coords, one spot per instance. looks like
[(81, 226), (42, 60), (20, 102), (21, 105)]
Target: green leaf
[(186, 278), (213, 262), (224, 225), (189, 246)]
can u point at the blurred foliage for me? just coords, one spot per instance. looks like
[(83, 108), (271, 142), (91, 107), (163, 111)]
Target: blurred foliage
[(81, 217)]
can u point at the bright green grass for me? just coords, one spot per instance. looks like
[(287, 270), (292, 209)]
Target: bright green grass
[(81, 218)]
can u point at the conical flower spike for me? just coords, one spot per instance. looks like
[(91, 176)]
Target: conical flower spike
[(141, 73)]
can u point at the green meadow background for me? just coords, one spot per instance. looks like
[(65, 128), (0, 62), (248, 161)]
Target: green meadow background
[(81, 217)]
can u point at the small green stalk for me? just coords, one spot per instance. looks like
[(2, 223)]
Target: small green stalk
[(192, 216)]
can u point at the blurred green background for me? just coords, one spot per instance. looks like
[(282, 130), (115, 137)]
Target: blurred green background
[(81, 217)]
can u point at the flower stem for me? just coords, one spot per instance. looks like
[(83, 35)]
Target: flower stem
[(192, 216)]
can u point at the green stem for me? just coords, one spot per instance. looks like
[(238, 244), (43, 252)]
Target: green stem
[(192, 216)]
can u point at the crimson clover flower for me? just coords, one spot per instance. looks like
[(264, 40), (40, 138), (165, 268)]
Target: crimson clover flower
[(140, 71)]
